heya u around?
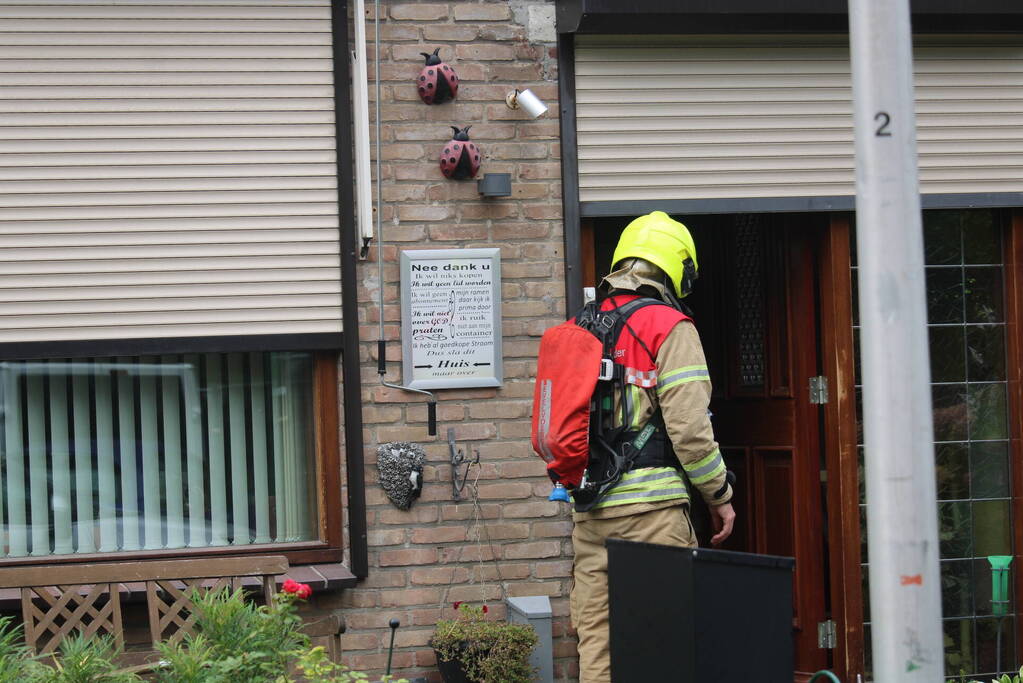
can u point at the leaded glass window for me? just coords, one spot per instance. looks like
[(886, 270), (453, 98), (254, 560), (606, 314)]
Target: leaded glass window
[(967, 331)]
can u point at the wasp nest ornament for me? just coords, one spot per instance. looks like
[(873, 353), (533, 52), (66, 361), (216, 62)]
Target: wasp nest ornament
[(400, 468), (460, 159), (437, 82)]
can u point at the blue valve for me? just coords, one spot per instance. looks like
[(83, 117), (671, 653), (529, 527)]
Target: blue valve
[(558, 493)]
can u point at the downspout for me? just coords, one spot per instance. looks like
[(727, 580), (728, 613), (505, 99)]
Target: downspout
[(569, 171), (351, 383), (360, 107), (431, 400)]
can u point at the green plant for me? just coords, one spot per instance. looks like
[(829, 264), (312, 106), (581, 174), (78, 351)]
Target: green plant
[(488, 651), (1004, 678), (235, 641), (316, 667), (81, 659), (15, 660), (238, 642)]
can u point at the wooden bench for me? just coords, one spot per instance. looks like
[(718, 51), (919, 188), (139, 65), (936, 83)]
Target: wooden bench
[(57, 600)]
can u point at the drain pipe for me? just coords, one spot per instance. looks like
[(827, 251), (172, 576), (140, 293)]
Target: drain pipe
[(431, 400), (360, 105)]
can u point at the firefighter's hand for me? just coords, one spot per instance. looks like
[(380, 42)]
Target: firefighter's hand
[(722, 517)]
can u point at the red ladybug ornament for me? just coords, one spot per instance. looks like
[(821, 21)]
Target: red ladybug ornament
[(460, 158), (437, 82)]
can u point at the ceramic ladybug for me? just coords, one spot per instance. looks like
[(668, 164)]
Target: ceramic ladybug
[(460, 158), (437, 82)]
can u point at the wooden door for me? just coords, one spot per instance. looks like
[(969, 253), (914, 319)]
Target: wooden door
[(762, 345)]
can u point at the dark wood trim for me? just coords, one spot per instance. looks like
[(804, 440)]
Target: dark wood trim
[(125, 572), (106, 348), (800, 263), (985, 200), (839, 443), (297, 553), (1013, 258), (574, 263), (328, 448), (351, 369)]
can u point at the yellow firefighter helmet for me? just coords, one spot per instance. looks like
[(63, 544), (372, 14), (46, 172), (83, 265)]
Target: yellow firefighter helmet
[(664, 242)]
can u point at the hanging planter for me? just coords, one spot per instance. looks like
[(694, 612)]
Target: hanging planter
[(453, 670), (471, 649)]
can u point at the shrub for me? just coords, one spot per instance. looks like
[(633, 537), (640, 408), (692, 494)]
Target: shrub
[(234, 642)]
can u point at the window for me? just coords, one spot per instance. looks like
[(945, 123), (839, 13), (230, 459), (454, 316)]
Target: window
[(969, 385), (162, 453)]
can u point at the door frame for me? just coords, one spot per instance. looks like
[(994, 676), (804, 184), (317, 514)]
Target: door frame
[(839, 440)]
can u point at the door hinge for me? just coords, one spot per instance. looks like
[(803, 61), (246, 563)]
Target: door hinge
[(818, 390), (826, 635)]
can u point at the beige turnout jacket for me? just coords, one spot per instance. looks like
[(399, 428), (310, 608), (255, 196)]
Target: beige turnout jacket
[(683, 394)]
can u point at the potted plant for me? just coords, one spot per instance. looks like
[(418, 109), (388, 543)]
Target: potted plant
[(472, 649)]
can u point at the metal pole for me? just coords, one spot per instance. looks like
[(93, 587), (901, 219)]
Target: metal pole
[(902, 529)]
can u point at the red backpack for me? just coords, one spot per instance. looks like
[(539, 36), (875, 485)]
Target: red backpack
[(577, 383)]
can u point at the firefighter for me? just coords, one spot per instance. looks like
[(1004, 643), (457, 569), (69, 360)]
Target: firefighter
[(655, 257)]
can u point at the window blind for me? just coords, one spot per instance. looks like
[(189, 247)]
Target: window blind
[(167, 169), (147, 453), (673, 118)]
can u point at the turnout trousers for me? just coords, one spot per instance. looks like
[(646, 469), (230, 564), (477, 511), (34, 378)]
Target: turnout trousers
[(589, 603)]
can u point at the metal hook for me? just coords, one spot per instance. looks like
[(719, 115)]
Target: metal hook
[(457, 459)]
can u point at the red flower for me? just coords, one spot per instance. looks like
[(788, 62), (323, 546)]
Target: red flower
[(299, 590), (485, 609), (456, 604)]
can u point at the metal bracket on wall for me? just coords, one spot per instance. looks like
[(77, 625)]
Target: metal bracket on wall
[(457, 460)]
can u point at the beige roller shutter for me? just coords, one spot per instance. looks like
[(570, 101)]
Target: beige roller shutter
[(167, 169), (675, 119)]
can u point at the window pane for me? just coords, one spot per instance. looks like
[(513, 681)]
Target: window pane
[(944, 295), (989, 469), (948, 353), (988, 419), (942, 238), (955, 530), (154, 452), (983, 243), (983, 291), (958, 646), (957, 588), (995, 637), (986, 353), (949, 412), (992, 534), (952, 467)]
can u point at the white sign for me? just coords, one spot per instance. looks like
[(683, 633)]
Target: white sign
[(451, 318)]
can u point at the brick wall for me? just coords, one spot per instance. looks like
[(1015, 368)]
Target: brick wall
[(424, 559)]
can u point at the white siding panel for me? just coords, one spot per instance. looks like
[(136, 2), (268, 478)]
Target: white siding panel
[(674, 118), (167, 169)]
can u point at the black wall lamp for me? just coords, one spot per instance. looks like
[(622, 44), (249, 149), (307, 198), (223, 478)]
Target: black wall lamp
[(494, 185)]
